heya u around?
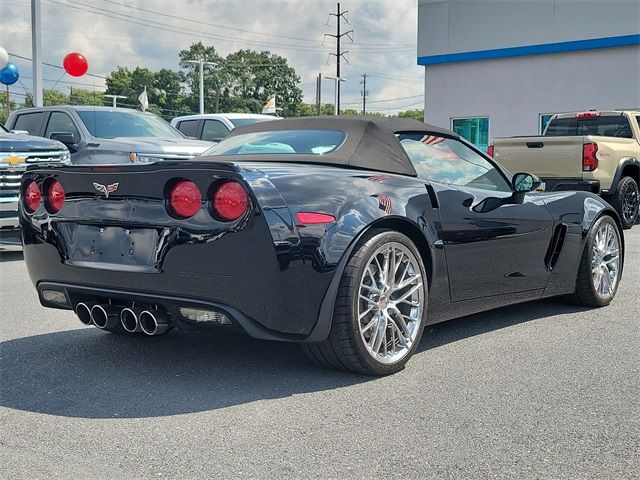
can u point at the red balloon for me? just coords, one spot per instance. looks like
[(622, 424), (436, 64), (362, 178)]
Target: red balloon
[(75, 64)]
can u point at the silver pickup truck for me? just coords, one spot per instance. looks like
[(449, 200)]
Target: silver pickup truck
[(17, 151)]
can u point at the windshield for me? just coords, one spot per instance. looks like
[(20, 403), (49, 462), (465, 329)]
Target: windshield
[(122, 123), (315, 142), (239, 122)]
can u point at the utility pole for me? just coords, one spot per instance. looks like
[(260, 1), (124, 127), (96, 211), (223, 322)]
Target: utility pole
[(339, 54), (36, 53), (337, 80), (365, 92), (319, 93), (114, 97), (201, 64)]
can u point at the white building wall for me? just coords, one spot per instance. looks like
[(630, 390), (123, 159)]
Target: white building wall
[(513, 91)]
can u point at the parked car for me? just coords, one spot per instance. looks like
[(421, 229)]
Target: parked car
[(345, 234), (17, 151), (213, 127), (107, 135), (594, 151)]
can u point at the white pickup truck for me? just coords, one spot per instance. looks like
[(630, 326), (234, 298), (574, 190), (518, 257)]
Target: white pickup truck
[(597, 151)]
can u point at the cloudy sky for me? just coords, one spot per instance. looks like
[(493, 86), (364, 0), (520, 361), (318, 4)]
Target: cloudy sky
[(150, 33)]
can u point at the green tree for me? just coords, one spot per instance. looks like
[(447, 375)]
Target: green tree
[(131, 83), (213, 77), (5, 103), (50, 97), (416, 114), (81, 96)]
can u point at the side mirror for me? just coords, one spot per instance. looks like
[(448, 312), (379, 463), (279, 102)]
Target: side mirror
[(525, 182), (63, 137), (19, 132)]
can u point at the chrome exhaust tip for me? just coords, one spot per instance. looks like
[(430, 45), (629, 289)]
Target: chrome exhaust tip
[(83, 311), (105, 316), (129, 318), (154, 322)]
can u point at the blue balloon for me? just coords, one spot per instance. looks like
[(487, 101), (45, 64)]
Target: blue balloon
[(9, 74)]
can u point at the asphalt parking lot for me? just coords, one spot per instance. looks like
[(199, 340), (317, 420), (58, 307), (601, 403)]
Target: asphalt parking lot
[(542, 390)]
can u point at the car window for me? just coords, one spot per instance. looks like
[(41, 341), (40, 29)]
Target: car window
[(239, 122), (124, 123), (214, 130), (61, 122), (189, 127), (30, 122), (603, 126), (315, 142), (447, 160)]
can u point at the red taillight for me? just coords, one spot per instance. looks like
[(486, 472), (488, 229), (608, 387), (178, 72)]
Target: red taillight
[(55, 197), (587, 114), (589, 158), (314, 218), (185, 199), (229, 201), (32, 196), (490, 150)]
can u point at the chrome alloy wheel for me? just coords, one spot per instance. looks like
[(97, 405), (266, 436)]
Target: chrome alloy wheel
[(390, 303), (605, 260)]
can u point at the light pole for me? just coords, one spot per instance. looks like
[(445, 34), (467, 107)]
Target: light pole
[(36, 53), (201, 63), (336, 81)]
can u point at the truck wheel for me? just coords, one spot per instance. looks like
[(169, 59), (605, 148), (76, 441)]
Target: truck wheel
[(600, 266), (626, 201), (380, 308)]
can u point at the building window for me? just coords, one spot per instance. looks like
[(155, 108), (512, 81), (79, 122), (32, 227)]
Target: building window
[(544, 120), (475, 130)]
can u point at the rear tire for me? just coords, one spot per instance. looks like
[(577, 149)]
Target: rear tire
[(380, 308), (600, 266), (626, 201)]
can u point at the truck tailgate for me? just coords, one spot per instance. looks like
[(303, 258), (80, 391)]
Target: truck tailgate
[(547, 157)]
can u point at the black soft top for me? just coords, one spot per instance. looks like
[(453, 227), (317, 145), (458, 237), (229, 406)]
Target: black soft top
[(370, 143)]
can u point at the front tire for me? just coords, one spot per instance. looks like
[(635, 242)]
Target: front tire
[(626, 201), (380, 309), (601, 265)]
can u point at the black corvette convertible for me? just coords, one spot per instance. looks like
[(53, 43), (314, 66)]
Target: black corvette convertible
[(347, 235)]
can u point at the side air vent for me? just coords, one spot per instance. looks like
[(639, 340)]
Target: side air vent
[(555, 247), (432, 196)]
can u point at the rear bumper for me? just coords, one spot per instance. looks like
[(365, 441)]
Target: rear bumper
[(566, 184), (170, 304)]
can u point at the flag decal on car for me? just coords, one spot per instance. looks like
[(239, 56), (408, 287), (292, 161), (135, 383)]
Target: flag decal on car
[(106, 189)]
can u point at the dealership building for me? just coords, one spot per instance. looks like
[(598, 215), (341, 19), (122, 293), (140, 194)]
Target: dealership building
[(502, 68)]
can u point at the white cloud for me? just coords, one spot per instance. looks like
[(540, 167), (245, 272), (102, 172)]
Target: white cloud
[(384, 33)]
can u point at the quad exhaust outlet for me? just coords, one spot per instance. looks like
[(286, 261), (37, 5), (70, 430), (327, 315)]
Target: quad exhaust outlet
[(130, 319)]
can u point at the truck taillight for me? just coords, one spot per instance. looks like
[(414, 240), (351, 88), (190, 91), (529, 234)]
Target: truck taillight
[(55, 197), (229, 201), (589, 158), (32, 196), (184, 199), (587, 114), (490, 150)]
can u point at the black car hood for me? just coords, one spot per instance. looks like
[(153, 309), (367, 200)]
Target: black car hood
[(26, 143)]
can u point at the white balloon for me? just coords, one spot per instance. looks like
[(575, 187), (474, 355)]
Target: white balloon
[(4, 57)]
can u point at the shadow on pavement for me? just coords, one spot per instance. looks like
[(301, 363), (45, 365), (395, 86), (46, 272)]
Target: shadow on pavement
[(93, 374), (10, 256)]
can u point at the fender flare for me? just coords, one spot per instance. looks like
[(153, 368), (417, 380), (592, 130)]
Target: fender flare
[(624, 162)]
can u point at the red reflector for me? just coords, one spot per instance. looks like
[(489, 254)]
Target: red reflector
[(55, 197), (313, 218), (490, 150), (589, 158), (587, 114), (32, 196), (230, 201), (185, 199)]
